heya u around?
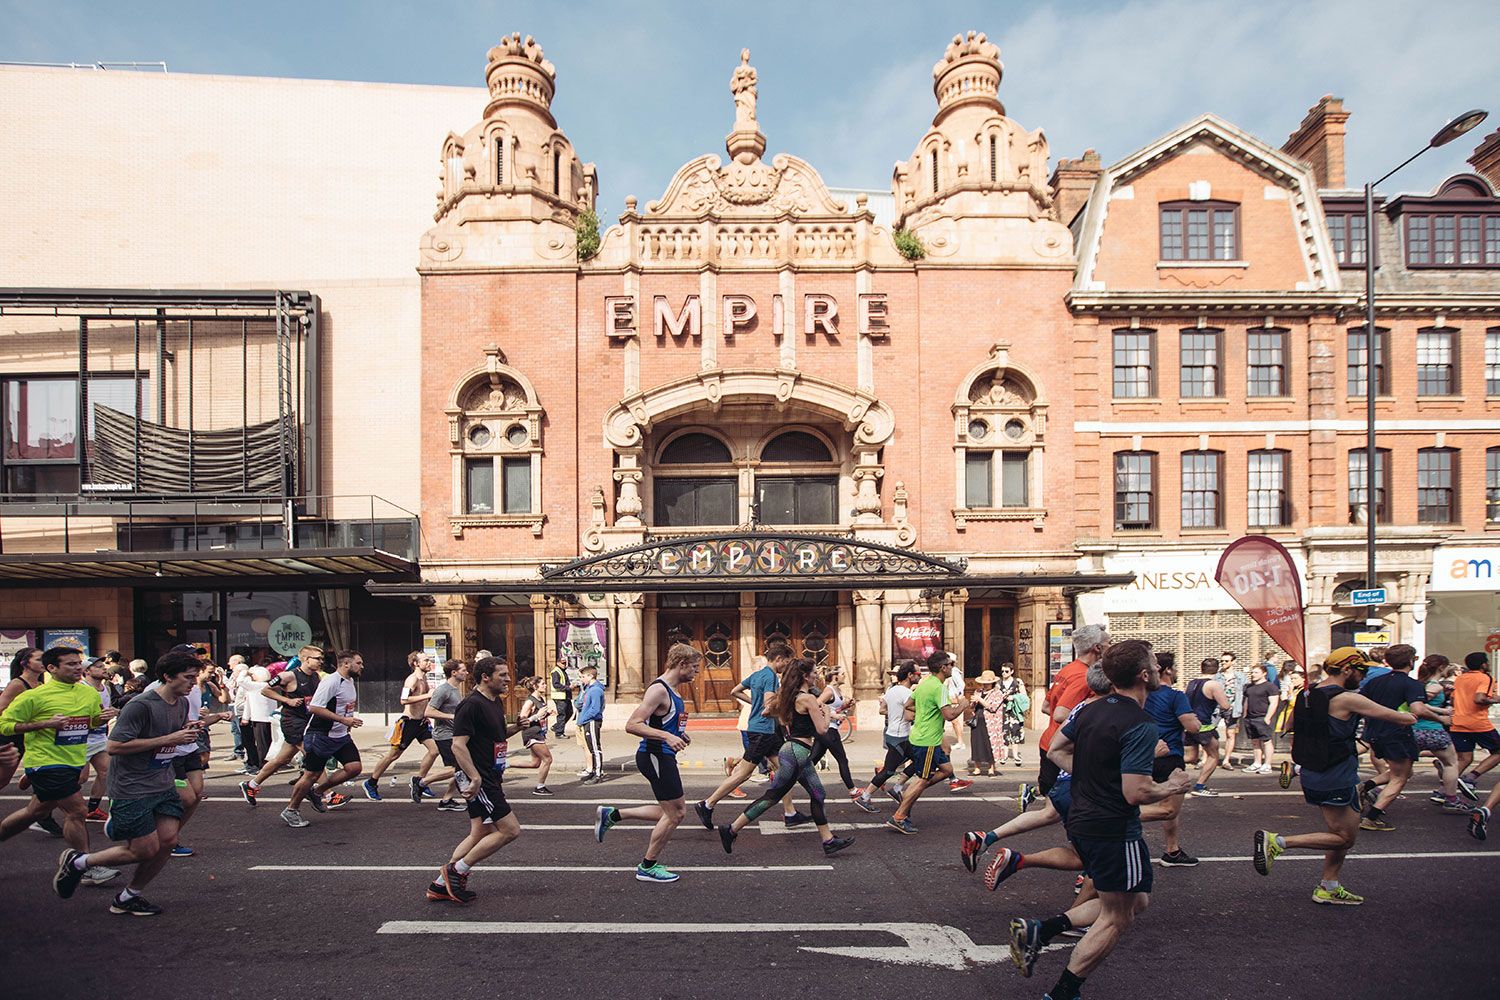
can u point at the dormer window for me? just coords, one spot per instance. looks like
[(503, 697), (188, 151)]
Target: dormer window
[(1200, 230), (1457, 227)]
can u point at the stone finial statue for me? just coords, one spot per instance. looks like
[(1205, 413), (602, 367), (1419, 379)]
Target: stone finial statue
[(742, 86)]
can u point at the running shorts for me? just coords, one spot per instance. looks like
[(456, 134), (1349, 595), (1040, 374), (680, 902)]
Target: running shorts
[(1046, 774), (293, 730), (409, 731), (131, 818), (53, 784), (763, 746), (96, 747), (1435, 740), (1401, 746), (927, 760), (1200, 739), (1061, 797), (535, 734), (1336, 797), (187, 763), (488, 804), (1116, 865), (661, 773), (1162, 767), (1256, 729), (318, 749), (445, 751), (1466, 742)]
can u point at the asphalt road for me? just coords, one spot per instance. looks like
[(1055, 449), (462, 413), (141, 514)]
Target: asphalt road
[(337, 909)]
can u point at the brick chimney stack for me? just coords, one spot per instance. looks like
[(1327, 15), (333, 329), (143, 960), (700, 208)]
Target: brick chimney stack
[(1319, 141), (1071, 183), (1486, 159)]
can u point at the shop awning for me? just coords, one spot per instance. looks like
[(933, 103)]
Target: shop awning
[(259, 567), (1073, 582)]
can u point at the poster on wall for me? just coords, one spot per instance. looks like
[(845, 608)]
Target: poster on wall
[(583, 642), (1059, 648), (435, 645), (915, 637), (12, 641), (80, 639)]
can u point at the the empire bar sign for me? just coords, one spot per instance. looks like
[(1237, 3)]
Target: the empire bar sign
[(819, 314)]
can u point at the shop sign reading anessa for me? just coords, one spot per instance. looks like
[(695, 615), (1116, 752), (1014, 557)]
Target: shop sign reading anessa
[(1167, 582)]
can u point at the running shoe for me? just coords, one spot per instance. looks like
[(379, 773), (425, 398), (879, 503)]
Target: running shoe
[(855, 793), (705, 814), (970, 848), (457, 885), (182, 851), (99, 875), (1467, 790), (437, 892), (1025, 943), (1204, 792), (1078, 884), (737, 793), (656, 873), (67, 878), (1002, 866), (1266, 851), (336, 801), (416, 791), (1286, 774), (865, 804), (294, 819), (1336, 897), (1074, 932), (427, 792), (1179, 859), (1471, 778), (1264, 769), (1438, 798), (901, 826), (47, 825), (1456, 807), (372, 789), (897, 793), (602, 822), (315, 799), (1026, 796), (451, 805), (727, 837), (248, 792), (798, 818), (1380, 824), (96, 815), (1478, 822), (541, 790), (836, 844), (597, 779), (137, 907), (959, 784)]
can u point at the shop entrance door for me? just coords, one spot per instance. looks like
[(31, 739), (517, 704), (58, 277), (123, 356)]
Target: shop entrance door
[(812, 633), (715, 635)]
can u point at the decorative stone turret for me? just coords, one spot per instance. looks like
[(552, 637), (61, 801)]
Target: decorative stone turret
[(976, 164), (511, 186)]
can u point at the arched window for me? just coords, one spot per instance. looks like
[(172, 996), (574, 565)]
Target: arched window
[(494, 431), (556, 171), (795, 446), (999, 429), (696, 483), (694, 449), (934, 170), (797, 482)]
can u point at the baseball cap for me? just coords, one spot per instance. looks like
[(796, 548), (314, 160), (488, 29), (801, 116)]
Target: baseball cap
[(1347, 656)]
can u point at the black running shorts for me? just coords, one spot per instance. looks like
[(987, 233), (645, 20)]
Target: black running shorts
[(763, 746), (1116, 865), (661, 772)]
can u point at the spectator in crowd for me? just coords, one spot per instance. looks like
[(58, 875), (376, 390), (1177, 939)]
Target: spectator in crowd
[(559, 690), (1013, 720), (985, 724), (953, 683), (591, 724), (1261, 700), (1233, 683)]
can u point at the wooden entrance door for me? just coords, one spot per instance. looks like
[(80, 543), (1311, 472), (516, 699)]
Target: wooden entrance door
[(716, 636), (813, 634)]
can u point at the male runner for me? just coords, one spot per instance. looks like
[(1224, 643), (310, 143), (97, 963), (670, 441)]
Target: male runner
[(56, 717), (1169, 709), (98, 743), (660, 723), (1323, 727), (591, 724), (145, 809), (931, 711), (1205, 695), (479, 743), (192, 757), (765, 735), (1109, 747), (1396, 745), (1259, 701), (293, 689), (333, 709), (894, 706), (445, 700), (411, 727), (1068, 691), (1473, 694)]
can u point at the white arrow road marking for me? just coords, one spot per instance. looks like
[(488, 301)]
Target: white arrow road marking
[(538, 868), (932, 945)]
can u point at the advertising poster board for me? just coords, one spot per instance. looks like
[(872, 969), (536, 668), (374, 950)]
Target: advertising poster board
[(915, 637), (1059, 648), (80, 639), (12, 641), (584, 642)]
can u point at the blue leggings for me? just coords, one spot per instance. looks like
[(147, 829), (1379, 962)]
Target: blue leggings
[(794, 767)]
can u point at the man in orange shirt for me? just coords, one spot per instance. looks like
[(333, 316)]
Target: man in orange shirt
[(1473, 694), (1068, 691)]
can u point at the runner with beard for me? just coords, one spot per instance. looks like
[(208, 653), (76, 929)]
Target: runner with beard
[(333, 708), (293, 690)]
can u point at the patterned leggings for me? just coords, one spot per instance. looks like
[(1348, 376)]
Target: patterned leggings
[(794, 767)]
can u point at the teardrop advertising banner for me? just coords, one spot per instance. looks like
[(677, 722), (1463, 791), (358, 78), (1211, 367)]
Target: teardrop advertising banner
[(1259, 573)]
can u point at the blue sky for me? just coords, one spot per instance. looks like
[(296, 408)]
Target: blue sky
[(643, 86)]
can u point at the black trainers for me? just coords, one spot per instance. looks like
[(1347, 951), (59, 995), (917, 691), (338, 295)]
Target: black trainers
[(65, 882), (48, 825), (831, 847), (705, 814), (1179, 859), (541, 790), (457, 885), (437, 892), (137, 907), (797, 819), (416, 790), (727, 837), (315, 799)]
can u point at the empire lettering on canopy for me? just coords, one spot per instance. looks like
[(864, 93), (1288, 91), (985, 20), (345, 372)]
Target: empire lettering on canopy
[(739, 314)]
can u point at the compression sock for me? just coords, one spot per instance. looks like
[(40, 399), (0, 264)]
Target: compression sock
[(81, 863), (648, 862), (990, 839), (1053, 926), (1068, 987), (1375, 813), (1020, 861), (462, 867), (614, 813)]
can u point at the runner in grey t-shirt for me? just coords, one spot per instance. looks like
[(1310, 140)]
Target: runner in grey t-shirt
[(148, 773), (440, 708)]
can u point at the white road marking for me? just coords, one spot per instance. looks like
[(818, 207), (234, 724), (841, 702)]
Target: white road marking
[(1360, 856), (570, 869), (770, 828), (931, 945)]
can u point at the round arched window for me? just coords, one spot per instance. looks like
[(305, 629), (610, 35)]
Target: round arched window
[(517, 435), (795, 446), (695, 449), (479, 436)]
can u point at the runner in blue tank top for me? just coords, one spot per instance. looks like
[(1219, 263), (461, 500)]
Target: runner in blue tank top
[(661, 723)]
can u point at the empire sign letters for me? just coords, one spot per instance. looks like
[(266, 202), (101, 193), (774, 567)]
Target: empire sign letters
[(820, 315)]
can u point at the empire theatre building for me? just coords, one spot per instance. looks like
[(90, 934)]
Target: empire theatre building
[(747, 414)]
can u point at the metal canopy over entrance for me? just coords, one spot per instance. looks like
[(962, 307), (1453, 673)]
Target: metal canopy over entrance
[(241, 567)]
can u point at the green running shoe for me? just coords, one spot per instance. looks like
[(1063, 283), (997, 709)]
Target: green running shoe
[(1266, 851), (656, 873), (1336, 897)]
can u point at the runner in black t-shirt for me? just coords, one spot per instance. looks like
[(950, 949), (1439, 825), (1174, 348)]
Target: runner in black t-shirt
[(479, 735), (1109, 748), (292, 689), (1392, 742)]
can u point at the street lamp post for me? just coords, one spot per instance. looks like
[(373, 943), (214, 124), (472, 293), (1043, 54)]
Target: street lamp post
[(1444, 135)]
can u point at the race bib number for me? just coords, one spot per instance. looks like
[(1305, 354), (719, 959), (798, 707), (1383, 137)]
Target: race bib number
[(502, 751), (164, 757), (74, 732)]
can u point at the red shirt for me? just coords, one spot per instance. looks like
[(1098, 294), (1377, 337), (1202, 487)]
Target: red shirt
[(1069, 689)]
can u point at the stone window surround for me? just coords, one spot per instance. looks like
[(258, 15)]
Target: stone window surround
[(498, 421), (996, 413)]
